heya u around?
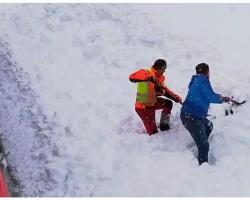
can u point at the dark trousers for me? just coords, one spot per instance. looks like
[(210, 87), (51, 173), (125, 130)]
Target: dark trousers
[(148, 115), (200, 130)]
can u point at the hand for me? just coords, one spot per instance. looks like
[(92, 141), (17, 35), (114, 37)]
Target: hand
[(226, 99), (151, 79), (220, 99), (178, 99)]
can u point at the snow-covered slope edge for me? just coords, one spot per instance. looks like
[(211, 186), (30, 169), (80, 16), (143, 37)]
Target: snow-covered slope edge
[(24, 129)]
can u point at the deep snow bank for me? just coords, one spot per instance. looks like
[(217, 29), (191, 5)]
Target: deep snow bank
[(68, 91)]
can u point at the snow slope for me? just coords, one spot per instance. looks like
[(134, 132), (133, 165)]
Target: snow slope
[(67, 107)]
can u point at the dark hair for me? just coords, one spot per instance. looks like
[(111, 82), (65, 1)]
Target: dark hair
[(159, 64), (202, 68)]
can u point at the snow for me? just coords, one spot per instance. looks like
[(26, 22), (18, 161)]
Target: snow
[(67, 107)]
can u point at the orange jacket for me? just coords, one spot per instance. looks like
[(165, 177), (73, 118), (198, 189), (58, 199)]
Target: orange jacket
[(142, 76)]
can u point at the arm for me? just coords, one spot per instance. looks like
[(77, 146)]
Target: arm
[(140, 76), (166, 88), (170, 94), (207, 91)]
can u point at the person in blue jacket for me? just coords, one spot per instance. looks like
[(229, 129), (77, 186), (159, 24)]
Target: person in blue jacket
[(195, 108)]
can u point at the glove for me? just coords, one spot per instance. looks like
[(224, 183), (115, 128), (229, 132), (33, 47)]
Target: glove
[(226, 99), (151, 79), (178, 99)]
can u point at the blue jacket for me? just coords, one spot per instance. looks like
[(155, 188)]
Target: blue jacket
[(199, 97)]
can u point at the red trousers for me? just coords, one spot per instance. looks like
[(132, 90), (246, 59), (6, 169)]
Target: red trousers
[(148, 115)]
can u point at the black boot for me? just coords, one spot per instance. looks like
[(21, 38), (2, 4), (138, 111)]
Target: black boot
[(164, 122), (154, 132)]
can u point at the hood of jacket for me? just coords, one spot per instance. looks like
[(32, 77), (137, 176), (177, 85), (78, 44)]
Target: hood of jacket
[(193, 78)]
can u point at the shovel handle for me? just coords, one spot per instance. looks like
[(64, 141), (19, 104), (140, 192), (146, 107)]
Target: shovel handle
[(238, 103)]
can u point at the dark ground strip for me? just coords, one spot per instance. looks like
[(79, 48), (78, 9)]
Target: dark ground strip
[(12, 185)]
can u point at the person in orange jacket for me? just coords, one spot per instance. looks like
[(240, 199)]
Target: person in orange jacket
[(150, 85)]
